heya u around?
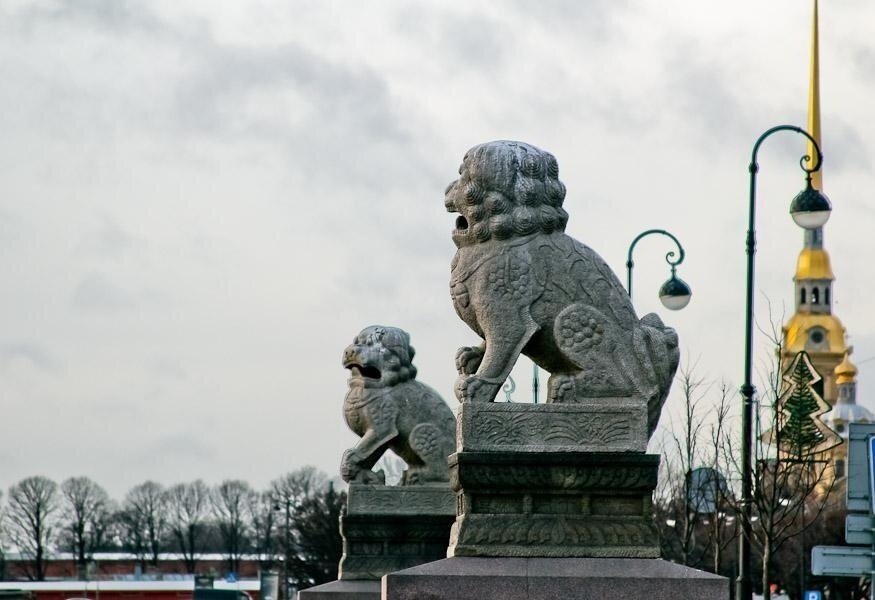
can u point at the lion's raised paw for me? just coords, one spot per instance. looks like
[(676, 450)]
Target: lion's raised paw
[(468, 359)]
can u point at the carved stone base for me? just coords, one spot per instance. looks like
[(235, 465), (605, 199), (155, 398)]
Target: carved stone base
[(343, 590), (388, 528), (552, 578), (588, 425), (554, 504)]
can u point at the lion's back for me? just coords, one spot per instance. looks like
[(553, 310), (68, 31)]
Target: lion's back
[(419, 403)]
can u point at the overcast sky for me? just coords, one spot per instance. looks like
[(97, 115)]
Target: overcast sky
[(201, 203)]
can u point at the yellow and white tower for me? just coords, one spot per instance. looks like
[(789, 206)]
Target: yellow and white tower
[(813, 327)]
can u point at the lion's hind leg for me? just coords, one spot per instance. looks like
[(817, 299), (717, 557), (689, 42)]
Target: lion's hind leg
[(433, 448), (588, 341), (560, 388)]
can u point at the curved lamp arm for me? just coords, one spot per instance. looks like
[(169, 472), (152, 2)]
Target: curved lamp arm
[(669, 257)]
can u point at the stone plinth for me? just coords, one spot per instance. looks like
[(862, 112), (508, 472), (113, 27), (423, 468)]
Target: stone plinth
[(386, 529), (588, 425), (465, 578), (343, 590), (531, 485)]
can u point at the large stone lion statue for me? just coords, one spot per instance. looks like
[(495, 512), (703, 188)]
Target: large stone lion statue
[(525, 287), (389, 409)]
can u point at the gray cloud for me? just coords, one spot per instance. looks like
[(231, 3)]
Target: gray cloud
[(97, 293), (592, 21), (30, 352), (120, 15), (167, 369), (107, 240)]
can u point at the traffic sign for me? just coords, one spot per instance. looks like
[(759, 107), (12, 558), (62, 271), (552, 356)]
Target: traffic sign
[(859, 477), (813, 595), (841, 561), (870, 443), (858, 529)]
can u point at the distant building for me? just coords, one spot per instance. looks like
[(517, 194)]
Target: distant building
[(126, 566), (179, 589)]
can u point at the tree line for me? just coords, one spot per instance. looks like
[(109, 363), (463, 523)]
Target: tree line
[(293, 523)]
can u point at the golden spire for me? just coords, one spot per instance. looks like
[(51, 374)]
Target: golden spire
[(814, 101)]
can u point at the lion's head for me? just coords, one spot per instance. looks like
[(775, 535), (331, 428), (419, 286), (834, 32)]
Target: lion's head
[(506, 189), (380, 357)]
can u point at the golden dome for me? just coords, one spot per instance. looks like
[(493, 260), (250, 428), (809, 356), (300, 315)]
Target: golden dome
[(801, 325), (813, 263), (845, 372)]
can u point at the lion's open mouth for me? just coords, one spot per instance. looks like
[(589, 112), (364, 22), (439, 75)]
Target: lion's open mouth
[(461, 223), (367, 372)]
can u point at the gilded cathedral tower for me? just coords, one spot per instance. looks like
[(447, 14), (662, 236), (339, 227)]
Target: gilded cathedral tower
[(813, 327)]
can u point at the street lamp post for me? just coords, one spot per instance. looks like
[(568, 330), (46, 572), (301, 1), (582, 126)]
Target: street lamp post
[(810, 210), (287, 533), (675, 293)]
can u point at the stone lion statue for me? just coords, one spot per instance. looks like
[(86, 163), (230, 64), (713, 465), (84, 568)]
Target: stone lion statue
[(525, 287), (389, 409)]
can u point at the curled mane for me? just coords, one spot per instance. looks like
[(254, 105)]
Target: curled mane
[(507, 189)]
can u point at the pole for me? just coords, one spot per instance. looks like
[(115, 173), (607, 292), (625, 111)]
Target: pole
[(286, 557), (535, 383), (744, 587)]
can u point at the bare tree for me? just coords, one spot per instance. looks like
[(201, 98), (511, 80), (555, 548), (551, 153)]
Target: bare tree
[(188, 507), (3, 535), (791, 482), (32, 516), (85, 517), (144, 515), (290, 492), (230, 500), (724, 523), (263, 510), (316, 546), (131, 532), (680, 456)]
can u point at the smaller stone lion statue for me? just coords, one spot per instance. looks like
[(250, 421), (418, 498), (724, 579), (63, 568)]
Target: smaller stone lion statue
[(524, 286), (389, 409)]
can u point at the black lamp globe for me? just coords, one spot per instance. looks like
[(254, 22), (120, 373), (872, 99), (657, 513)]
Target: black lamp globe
[(810, 209), (675, 294)]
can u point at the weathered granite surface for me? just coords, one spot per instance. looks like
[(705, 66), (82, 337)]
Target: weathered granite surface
[(551, 579), (591, 425), (389, 409), (525, 287), (343, 590), (387, 528), (554, 504)]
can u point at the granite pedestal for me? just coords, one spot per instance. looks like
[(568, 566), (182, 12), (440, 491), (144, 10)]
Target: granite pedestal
[(554, 501), (468, 578), (386, 529), (530, 483)]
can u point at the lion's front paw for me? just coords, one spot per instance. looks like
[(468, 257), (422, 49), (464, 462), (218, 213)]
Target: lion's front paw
[(372, 477), (468, 360), (470, 388), (349, 467), (352, 471)]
